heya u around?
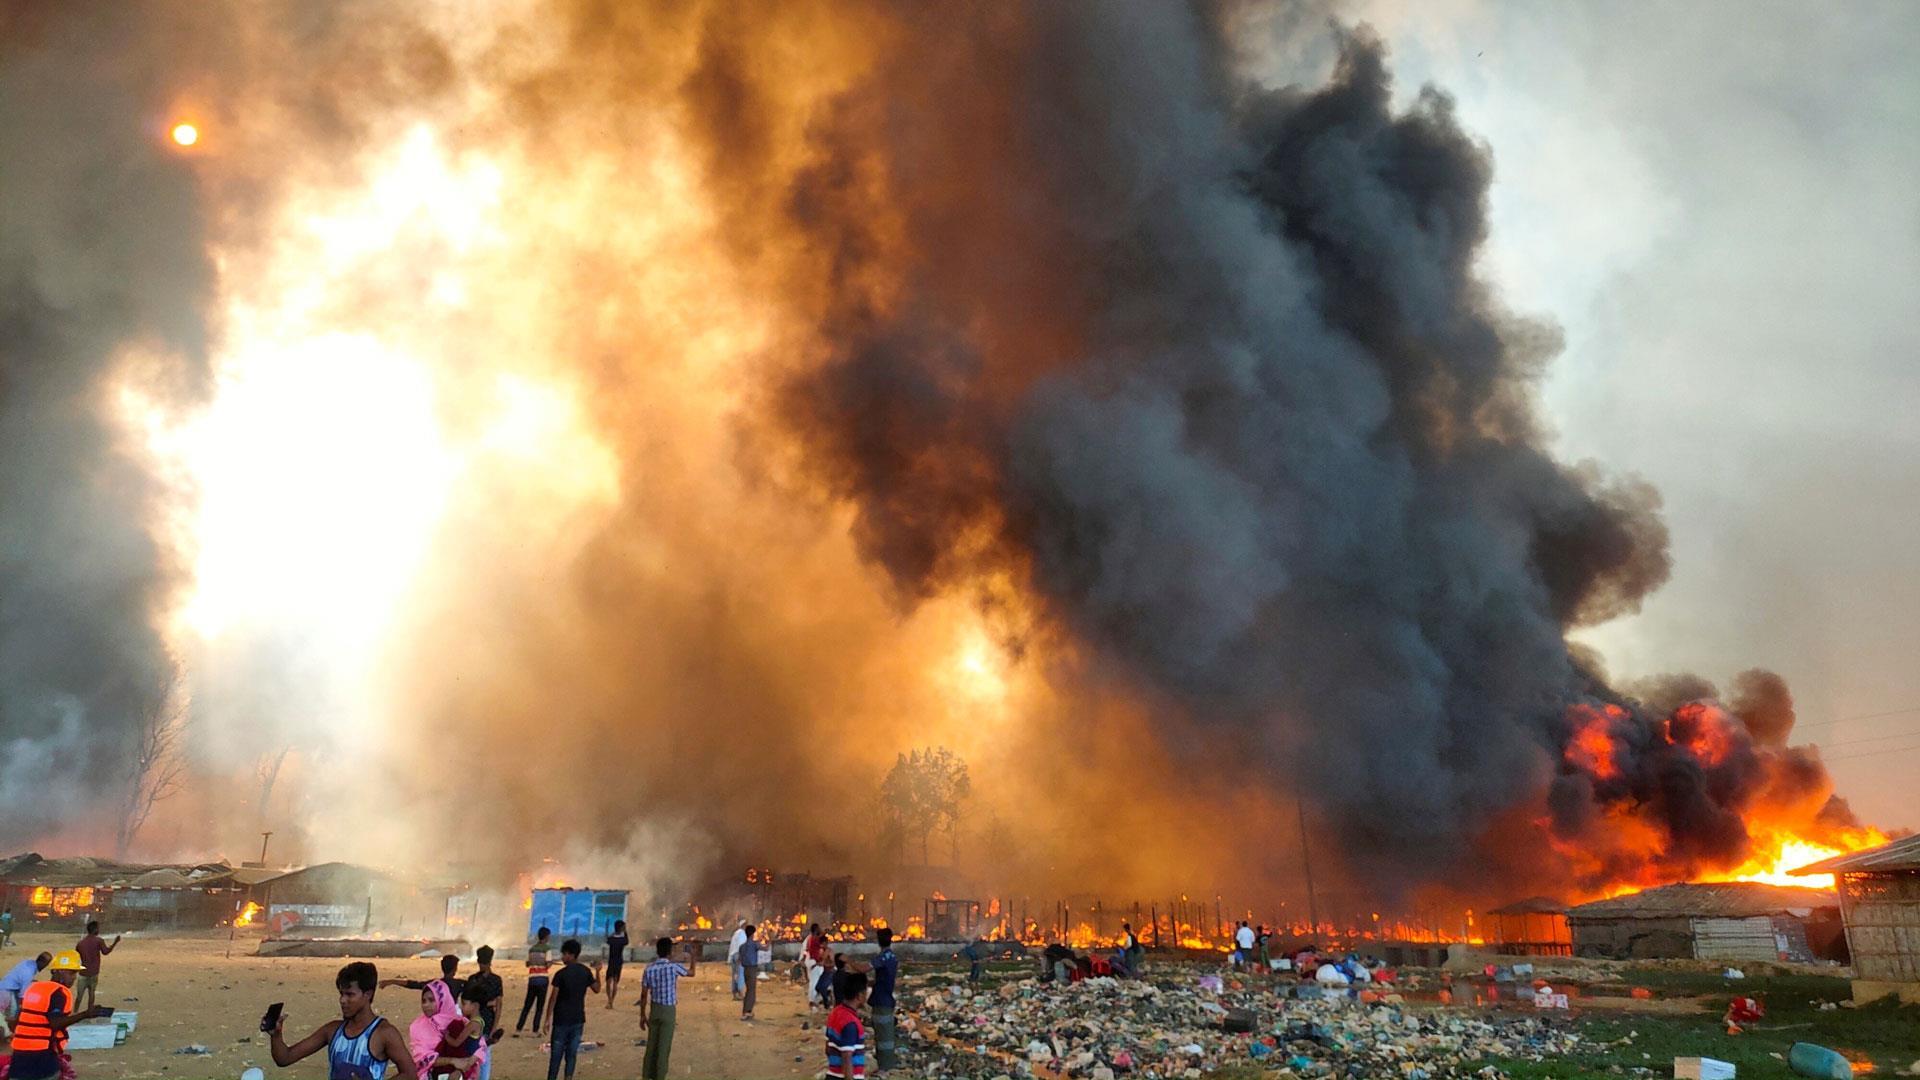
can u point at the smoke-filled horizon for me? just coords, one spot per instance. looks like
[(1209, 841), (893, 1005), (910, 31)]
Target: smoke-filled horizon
[(627, 431)]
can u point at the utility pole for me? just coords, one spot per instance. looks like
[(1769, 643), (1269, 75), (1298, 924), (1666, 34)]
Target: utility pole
[(1306, 861), (264, 837)]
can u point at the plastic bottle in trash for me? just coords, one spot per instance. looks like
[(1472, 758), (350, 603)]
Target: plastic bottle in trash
[(1819, 1062)]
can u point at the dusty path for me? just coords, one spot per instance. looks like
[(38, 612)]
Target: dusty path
[(188, 992)]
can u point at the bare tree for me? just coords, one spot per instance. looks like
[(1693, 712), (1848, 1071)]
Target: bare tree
[(159, 764), (266, 773)]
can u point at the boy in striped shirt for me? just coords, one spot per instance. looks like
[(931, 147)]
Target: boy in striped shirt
[(846, 1039)]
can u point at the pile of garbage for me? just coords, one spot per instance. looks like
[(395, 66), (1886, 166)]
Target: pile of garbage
[(1102, 1029)]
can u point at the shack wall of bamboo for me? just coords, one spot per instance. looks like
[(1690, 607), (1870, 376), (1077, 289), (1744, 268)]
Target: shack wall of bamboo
[(1882, 912)]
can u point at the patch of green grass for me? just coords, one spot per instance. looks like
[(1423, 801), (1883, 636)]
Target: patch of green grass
[(1885, 1033)]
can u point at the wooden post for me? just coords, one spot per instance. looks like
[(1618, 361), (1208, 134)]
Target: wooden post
[(1306, 862)]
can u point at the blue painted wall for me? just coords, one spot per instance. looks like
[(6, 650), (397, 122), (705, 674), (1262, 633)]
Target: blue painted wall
[(577, 913)]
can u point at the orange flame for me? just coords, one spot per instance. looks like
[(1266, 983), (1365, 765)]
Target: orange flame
[(247, 914)]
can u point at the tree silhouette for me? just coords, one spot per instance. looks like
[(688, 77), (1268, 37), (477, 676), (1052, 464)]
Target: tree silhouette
[(924, 791)]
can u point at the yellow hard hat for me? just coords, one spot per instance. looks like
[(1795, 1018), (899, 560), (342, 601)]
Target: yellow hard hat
[(66, 960)]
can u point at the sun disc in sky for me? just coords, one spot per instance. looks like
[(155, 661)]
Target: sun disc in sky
[(185, 134)]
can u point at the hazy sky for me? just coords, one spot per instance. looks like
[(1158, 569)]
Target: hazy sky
[(1718, 203)]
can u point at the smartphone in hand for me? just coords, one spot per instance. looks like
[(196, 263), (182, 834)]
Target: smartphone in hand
[(103, 1010), (272, 1019)]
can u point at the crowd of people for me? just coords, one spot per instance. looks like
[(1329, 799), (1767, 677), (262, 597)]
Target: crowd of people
[(459, 1021), (462, 1017)]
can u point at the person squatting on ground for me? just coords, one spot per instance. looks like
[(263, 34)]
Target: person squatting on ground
[(359, 1045), (567, 1009), (659, 1001), (46, 1012), (537, 964)]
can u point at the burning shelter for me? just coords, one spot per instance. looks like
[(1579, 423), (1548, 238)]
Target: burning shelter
[(1731, 921), (1879, 893), (128, 896), (1536, 926), (341, 899)]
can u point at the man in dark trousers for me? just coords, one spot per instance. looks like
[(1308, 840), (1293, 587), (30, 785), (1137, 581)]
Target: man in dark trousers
[(537, 964), (886, 970), (567, 1008)]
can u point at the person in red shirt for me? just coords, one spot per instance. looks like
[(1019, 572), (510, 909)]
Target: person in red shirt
[(815, 953), (91, 948), (846, 1039)]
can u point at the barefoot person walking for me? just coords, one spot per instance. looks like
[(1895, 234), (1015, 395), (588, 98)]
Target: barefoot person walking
[(616, 959)]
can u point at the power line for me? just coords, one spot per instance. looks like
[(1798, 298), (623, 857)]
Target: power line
[(1874, 753), (1908, 733), (1861, 716)]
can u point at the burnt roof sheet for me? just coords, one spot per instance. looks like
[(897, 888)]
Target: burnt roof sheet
[(1735, 899)]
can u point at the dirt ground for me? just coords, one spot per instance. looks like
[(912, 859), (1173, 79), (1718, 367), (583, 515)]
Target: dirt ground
[(187, 991)]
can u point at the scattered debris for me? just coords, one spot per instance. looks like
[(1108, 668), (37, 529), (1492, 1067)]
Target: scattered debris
[(193, 1050), (1702, 1068), (1103, 1027)]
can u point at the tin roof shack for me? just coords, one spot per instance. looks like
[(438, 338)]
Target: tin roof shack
[(1536, 926), (125, 896), (1880, 902), (167, 897), (1732, 921), (343, 900)]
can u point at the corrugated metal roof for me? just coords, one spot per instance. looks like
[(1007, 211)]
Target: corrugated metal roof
[(30, 869), (1898, 855), (255, 875), (1727, 899)]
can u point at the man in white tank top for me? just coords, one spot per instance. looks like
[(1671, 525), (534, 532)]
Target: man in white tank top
[(360, 1045)]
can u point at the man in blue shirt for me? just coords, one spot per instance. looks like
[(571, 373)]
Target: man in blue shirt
[(886, 971), (16, 981)]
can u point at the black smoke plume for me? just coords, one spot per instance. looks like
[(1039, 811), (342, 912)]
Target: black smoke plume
[(1211, 366), (100, 252)]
